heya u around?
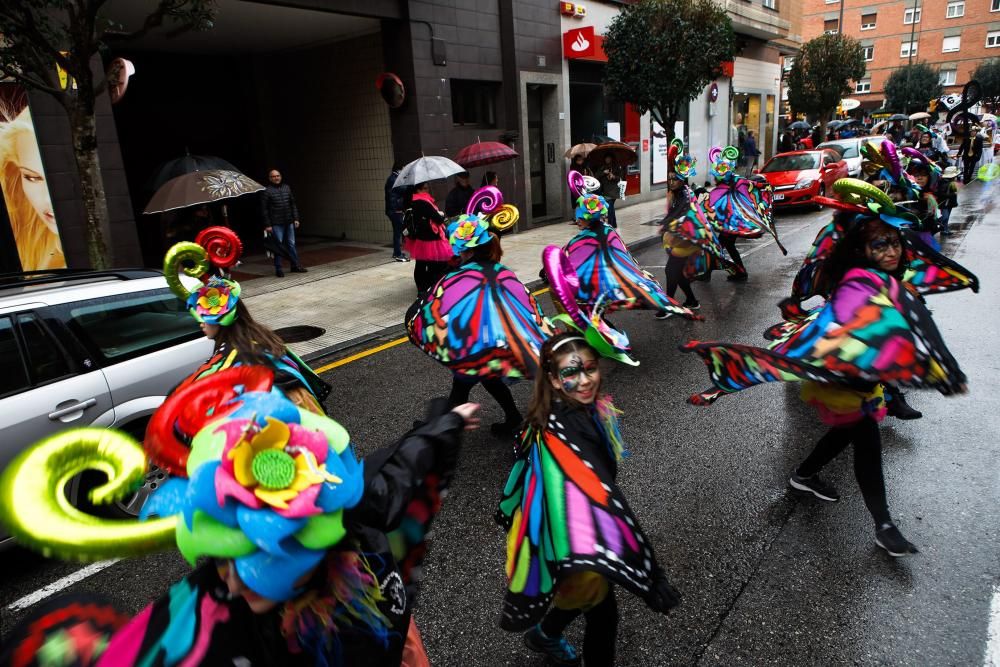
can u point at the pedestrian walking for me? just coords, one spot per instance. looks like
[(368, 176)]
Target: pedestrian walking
[(572, 539), (750, 152), (428, 246), (609, 174), (947, 196), (395, 203), (970, 152), (579, 164), (459, 196), (281, 219)]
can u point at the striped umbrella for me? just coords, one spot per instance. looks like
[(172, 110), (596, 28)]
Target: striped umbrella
[(484, 152)]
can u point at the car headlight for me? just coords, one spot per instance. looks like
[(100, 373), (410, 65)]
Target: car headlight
[(804, 183)]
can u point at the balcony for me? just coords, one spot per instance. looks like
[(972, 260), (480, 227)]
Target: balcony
[(756, 21)]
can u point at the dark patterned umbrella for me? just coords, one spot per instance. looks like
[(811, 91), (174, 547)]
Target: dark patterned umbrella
[(483, 153), (185, 165), (201, 187), (623, 153)]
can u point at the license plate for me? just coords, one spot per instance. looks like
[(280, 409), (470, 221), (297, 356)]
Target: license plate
[(779, 196)]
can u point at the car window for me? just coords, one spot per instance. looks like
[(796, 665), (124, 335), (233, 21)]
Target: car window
[(847, 149), (792, 163), (13, 375), (46, 361), (131, 325)]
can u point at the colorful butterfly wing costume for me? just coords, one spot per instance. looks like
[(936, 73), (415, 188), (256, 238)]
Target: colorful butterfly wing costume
[(873, 329), (480, 321), (743, 207), (564, 514), (604, 266), (694, 229)]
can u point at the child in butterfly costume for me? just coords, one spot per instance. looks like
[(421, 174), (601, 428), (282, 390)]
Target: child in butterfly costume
[(738, 207), (570, 533), (604, 266), (286, 529), (480, 320), (873, 329)]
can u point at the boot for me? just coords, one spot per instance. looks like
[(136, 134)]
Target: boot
[(900, 409)]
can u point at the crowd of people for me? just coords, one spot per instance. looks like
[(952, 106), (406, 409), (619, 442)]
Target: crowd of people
[(304, 554)]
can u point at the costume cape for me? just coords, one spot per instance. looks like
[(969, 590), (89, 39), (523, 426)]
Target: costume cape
[(480, 321), (742, 207), (696, 228), (871, 330)]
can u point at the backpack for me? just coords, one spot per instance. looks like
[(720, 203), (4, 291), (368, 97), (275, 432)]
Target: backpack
[(409, 224)]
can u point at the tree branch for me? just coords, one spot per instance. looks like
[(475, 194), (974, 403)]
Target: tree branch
[(30, 82)]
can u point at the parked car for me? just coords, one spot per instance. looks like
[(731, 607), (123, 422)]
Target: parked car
[(799, 176), (850, 151), (89, 348)]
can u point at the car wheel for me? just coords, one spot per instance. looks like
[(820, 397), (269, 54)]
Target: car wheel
[(126, 508), (821, 193)]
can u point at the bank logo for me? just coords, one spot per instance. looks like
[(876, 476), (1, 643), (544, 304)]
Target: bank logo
[(580, 44)]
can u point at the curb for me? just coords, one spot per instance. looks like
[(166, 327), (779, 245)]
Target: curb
[(399, 330)]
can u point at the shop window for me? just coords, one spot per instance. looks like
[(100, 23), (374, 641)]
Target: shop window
[(863, 86), (993, 39), (868, 52), (907, 49), (955, 10), (474, 102), (911, 15), (948, 77), (951, 44), (831, 26), (868, 21)]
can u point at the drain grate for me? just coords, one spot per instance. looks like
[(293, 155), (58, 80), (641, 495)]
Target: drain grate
[(299, 333)]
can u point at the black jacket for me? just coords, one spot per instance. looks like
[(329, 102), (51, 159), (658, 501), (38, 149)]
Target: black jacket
[(277, 205), (395, 198), (457, 200), (423, 215)]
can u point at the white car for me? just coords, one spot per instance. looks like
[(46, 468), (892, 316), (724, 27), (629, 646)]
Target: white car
[(850, 152)]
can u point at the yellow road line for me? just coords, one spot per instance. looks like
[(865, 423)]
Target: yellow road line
[(378, 348)]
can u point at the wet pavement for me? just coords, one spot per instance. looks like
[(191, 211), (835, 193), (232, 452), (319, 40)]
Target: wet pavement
[(767, 577)]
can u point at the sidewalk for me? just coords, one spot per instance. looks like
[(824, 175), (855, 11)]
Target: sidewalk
[(365, 294)]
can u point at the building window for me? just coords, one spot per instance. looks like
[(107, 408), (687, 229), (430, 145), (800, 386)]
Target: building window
[(908, 16), (993, 39), (955, 10), (947, 77), (833, 2), (474, 102), (907, 49), (869, 53), (831, 26), (770, 4), (868, 21), (995, 6), (951, 44), (863, 86)]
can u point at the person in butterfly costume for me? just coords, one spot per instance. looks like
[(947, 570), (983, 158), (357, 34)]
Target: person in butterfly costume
[(605, 268), (571, 536), (479, 320), (872, 329), (302, 554)]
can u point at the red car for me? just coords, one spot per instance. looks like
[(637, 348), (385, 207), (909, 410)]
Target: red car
[(799, 176)]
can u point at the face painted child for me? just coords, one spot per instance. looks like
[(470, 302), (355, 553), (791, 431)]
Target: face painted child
[(578, 376), (883, 248)]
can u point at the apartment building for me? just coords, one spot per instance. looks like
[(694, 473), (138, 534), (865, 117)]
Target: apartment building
[(951, 35)]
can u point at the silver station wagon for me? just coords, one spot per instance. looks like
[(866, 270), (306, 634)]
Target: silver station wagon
[(90, 348)]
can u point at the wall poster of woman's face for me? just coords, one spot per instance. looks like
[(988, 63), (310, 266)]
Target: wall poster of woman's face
[(25, 188)]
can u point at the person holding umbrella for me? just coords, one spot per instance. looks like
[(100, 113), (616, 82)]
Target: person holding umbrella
[(609, 174), (281, 219), (428, 245)]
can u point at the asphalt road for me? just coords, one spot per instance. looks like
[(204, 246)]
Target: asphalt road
[(767, 576)]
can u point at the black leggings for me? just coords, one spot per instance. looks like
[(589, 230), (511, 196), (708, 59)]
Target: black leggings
[(425, 274), (867, 462), (460, 390), (599, 635), (728, 242), (676, 278)]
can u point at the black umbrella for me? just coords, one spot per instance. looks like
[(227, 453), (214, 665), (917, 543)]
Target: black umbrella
[(800, 125), (834, 124), (185, 165), (276, 247), (898, 116)]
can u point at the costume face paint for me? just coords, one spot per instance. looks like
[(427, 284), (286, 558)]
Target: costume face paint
[(579, 376), (884, 251)]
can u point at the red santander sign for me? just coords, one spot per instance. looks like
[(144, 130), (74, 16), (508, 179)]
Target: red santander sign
[(580, 43)]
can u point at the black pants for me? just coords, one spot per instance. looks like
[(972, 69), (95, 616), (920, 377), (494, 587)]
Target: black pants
[(425, 274), (612, 219), (728, 242), (598, 637), (461, 388), (867, 441), (969, 169), (676, 278)]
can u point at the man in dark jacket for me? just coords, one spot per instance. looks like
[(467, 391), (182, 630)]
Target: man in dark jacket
[(970, 152), (281, 219), (459, 196), (396, 200)]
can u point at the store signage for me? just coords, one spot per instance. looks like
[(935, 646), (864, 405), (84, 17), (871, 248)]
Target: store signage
[(645, 145), (580, 43), (713, 92), (572, 9)]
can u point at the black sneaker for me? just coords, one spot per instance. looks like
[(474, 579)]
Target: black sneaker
[(815, 486), (557, 649), (279, 273), (505, 427), (900, 409), (299, 269), (889, 538), (691, 305), (663, 315)]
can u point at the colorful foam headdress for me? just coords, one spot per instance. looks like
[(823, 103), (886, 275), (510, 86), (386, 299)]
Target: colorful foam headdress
[(591, 207), (882, 160), (466, 232), (487, 202), (681, 162), (917, 160), (215, 301), (867, 200), (265, 485), (724, 161), (599, 333)]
